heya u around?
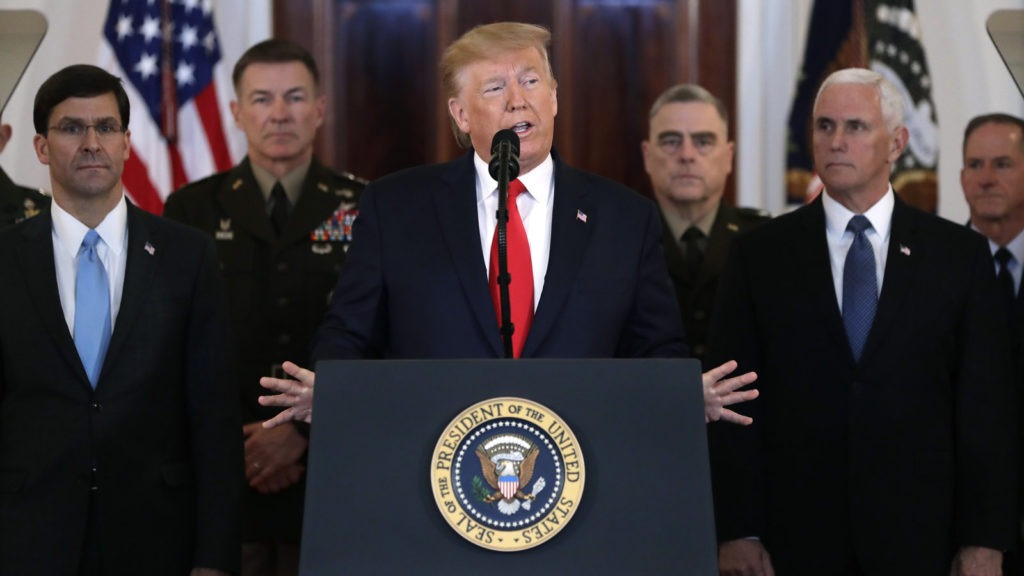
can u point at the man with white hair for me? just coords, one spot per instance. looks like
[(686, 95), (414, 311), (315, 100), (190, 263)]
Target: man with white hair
[(884, 439)]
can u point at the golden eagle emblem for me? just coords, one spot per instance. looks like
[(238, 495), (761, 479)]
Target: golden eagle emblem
[(507, 463)]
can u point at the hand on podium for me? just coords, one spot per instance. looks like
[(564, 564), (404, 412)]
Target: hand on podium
[(297, 395)]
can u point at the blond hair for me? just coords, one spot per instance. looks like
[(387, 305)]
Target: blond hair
[(482, 43)]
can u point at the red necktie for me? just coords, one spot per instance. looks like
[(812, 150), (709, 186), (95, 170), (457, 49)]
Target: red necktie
[(520, 269)]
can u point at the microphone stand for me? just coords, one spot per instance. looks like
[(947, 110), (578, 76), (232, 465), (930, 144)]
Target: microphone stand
[(507, 327)]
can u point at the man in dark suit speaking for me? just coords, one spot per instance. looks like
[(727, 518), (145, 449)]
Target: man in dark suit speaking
[(590, 266), (120, 450), (884, 442)]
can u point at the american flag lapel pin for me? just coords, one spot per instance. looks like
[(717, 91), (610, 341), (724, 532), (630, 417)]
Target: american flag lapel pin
[(149, 249), (904, 250), (581, 216)]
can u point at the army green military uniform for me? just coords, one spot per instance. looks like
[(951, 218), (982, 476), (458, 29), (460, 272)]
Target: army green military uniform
[(18, 202), (278, 291), (696, 292)]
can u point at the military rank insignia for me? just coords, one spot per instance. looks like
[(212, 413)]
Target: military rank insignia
[(337, 228), (507, 474)]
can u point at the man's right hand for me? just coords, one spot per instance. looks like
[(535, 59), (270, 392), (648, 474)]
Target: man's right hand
[(745, 557), (295, 395)]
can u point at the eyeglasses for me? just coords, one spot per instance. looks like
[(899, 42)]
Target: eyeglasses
[(71, 130)]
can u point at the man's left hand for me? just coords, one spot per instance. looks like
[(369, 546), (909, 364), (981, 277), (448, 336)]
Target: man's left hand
[(720, 393), (271, 454), (977, 561), (208, 572)]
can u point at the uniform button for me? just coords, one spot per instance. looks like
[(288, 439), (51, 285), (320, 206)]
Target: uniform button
[(283, 302), (699, 315), (282, 266), (699, 350), (96, 406), (284, 338)]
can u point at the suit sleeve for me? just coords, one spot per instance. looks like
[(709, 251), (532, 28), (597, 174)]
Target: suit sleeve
[(356, 322), (654, 329), (214, 421), (736, 451), (986, 430)]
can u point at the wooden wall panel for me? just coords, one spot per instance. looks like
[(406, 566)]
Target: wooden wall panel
[(386, 110), (385, 85), (622, 57)]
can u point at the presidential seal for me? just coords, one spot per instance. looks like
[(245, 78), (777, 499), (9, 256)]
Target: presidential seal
[(507, 474)]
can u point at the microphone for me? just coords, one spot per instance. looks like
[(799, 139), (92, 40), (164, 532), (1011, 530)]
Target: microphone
[(504, 155)]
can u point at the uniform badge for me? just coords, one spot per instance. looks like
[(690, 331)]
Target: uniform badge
[(507, 474), (225, 232), (322, 248), (337, 228), (30, 208)]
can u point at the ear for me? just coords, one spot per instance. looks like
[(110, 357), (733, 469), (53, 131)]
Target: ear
[(235, 110), (730, 151), (898, 143), (5, 135), (127, 144), (459, 114), (42, 148), (646, 150), (320, 106)]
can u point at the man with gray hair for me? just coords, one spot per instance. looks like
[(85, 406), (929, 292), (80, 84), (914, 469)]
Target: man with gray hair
[(884, 441), (688, 156)]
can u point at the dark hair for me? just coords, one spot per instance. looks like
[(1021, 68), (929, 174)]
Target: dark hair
[(994, 118), (77, 81), (274, 51)]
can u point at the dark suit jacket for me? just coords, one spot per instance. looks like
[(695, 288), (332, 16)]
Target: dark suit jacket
[(278, 289), (161, 429), (415, 284), (696, 294), (18, 202), (893, 462)]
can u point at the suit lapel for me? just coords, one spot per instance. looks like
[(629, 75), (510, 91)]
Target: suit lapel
[(569, 238), (724, 228), (243, 201), (900, 266), (817, 264), (144, 252), (455, 200), (36, 260)]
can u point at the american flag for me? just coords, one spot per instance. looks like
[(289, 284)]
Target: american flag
[(167, 53)]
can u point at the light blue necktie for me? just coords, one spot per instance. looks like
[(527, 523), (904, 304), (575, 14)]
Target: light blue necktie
[(92, 308), (860, 286)]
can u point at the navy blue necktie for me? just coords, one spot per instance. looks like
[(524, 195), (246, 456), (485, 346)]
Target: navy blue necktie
[(92, 308), (1005, 277), (860, 286)]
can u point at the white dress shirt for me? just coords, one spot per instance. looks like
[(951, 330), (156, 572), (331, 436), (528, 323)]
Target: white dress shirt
[(68, 234), (839, 239), (536, 207)]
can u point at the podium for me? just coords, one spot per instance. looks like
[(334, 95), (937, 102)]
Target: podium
[(645, 507)]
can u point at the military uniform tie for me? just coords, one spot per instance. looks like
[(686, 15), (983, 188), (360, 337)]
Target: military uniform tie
[(279, 207)]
